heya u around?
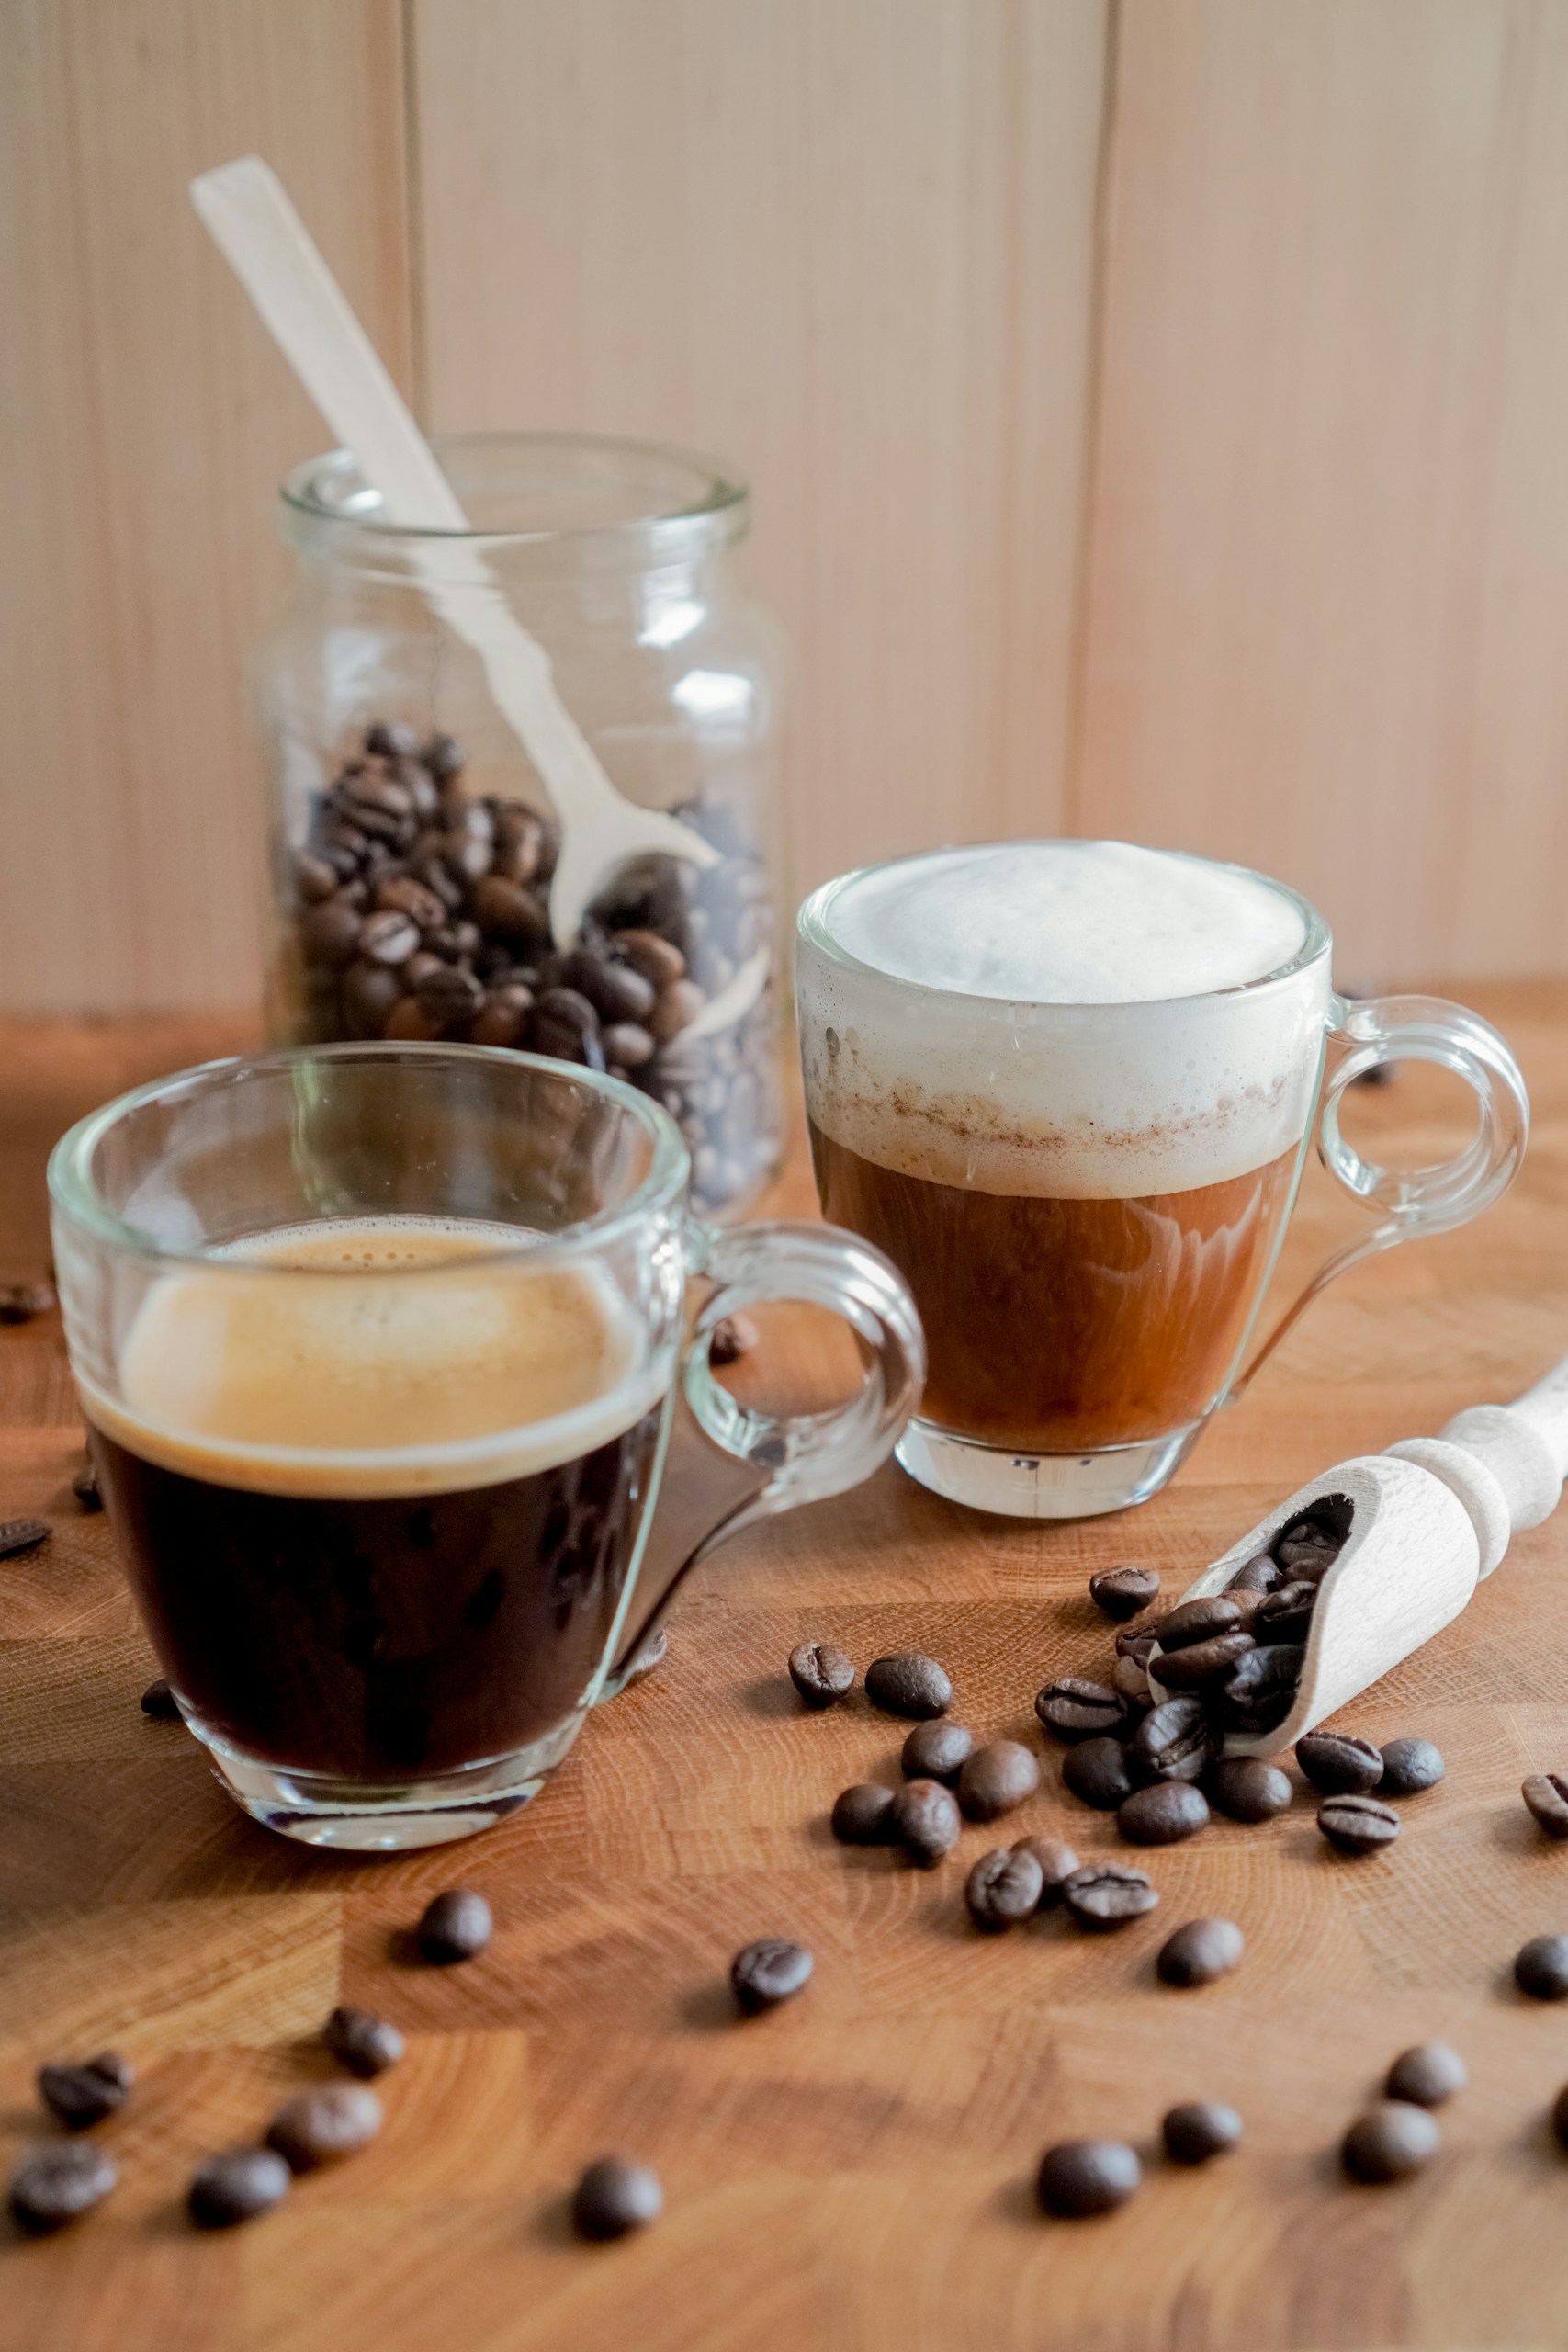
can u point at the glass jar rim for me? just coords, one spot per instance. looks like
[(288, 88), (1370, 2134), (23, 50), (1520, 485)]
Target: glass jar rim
[(814, 929), (74, 1191)]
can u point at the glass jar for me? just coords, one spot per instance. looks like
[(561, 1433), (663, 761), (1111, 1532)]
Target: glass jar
[(414, 838)]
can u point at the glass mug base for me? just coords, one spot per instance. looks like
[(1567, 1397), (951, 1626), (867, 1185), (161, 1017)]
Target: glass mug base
[(1042, 1485)]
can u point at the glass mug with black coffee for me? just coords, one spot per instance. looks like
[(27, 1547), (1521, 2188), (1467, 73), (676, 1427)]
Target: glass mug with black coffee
[(1068, 1088), (377, 1346)]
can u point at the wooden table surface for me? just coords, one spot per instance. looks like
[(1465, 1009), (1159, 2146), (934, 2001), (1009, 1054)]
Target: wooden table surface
[(854, 2171)]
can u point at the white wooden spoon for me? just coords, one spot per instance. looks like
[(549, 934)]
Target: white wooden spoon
[(1428, 1519), (247, 209)]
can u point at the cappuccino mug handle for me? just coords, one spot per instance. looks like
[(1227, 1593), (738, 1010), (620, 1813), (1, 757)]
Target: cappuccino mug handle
[(1370, 1032), (809, 1455)]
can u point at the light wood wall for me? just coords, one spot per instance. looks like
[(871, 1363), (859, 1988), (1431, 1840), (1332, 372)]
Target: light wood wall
[(1155, 414)]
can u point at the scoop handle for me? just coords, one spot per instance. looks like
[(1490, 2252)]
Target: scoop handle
[(1524, 1445)]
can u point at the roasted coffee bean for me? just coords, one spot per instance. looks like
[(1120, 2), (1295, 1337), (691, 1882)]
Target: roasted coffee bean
[(1427, 2074), (820, 1673), (1261, 1574), (655, 958), (732, 1336), (444, 757), (617, 992), (392, 739), (503, 1018), (1286, 1612), (1122, 1592), (1540, 1968), (1200, 1952), (908, 1683), (861, 1815), (1260, 1689), (18, 1535), (923, 1819), (1199, 1663), (1305, 1546), (329, 936), (369, 994), (317, 2126), (1409, 1768), (19, 1302), (159, 1701), (763, 1974), (313, 878), (1004, 1887), (1199, 1620), (1078, 2178), (997, 1778), (1131, 1681), (404, 896), (936, 1752), (60, 2182), (1101, 1895), (1072, 1709), (1389, 2142), (627, 1047), (1057, 1863), (78, 2095), (363, 2042), (1340, 1765), (372, 798), (84, 1487), (1137, 1641), (506, 910), (519, 843), (1357, 1825), (1174, 1742), (453, 1926), (1249, 1608), (674, 1009), (238, 2186), (614, 2197), (1246, 1787), (565, 1026), (1096, 1772), (449, 995), (1546, 1793), (1199, 2129), (1162, 1813)]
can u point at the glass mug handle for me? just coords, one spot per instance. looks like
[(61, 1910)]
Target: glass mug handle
[(1371, 1032)]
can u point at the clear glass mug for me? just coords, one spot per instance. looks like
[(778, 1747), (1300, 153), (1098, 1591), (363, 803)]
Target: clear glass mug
[(1081, 1327), (377, 1346)]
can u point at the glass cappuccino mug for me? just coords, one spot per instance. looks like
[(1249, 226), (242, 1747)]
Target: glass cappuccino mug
[(1068, 1088), (377, 1346)]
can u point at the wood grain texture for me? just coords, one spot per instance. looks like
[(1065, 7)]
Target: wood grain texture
[(1329, 517), (848, 245), (852, 2172), (148, 421)]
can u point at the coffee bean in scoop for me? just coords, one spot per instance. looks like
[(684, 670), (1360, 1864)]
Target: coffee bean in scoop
[(18, 1535), (1204, 1620), (1427, 2074), (1162, 1813), (1200, 2129), (765, 1975), (80, 2095), (1071, 1708), (909, 1683), (1540, 1968), (1122, 1592), (1546, 1793), (159, 1701), (1355, 1824), (1096, 1772), (1130, 1680), (997, 1778), (936, 1752), (1004, 1887), (1340, 1765), (1307, 1547), (237, 2186), (1200, 1952), (59, 2182), (1199, 1665), (1080, 2178), (1286, 1614), (1261, 1574), (1260, 1689), (614, 2197), (861, 1815), (453, 1926), (923, 1819), (1389, 2142), (363, 2042), (820, 1673), (1102, 1896), (1058, 1862), (1409, 1768), (1246, 1787)]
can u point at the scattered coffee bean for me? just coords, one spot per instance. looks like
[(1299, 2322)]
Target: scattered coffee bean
[(923, 1819), (1410, 1766), (997, 1778), (1199, 1664), (1130, 1680), (1546, 1793), (1358, 1825), (1286, 1614), (59, 2182), (78, 2095), (1340, 1765), (614, 2197), (1260, 1689), (1096, 1772), (936, 1752), (1200, 1951), (317, 2126), (20, 1535), (732, 1336), (453, 1926), (820, 1673), (1122, 1592), (363, 2042), (84, 1487), (1175, 1741), (1198, 2130), (238, 2186), (1246, 1787), (1072, 1709), (908, 1683), (1103, 1895), (1004, 1887), (1560, 2116), (1078, 2178), (765, 1974), (159, 1701), (1540, 1968), (1427, 2074), (861, 1815), (1389, 2142), (1162, 1813), (1199, 1620), (1057, 1863), (19, 1302)]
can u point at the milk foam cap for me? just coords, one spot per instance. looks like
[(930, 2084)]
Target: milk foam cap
[(1079, 1019)]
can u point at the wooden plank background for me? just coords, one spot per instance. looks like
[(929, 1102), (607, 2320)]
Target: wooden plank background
[(1154, 412)]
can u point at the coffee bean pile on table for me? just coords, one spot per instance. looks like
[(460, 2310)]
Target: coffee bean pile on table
[(422, 913)]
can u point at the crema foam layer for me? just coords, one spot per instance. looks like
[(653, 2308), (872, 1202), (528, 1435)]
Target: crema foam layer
[(377, 1356), (1088, 1020)]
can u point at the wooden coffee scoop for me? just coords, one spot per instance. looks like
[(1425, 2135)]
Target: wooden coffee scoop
[(1428, 1519)]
